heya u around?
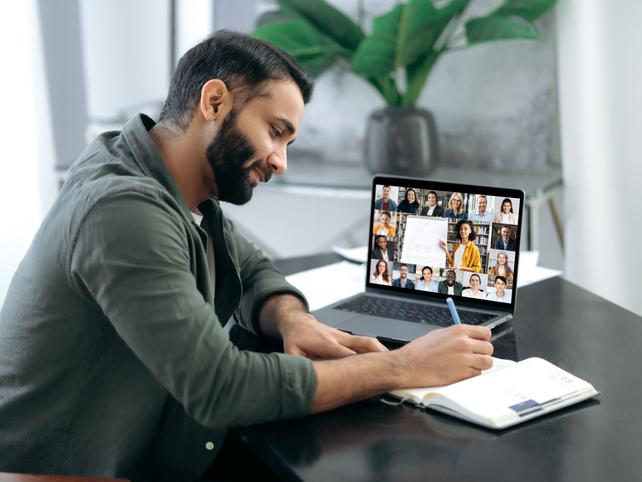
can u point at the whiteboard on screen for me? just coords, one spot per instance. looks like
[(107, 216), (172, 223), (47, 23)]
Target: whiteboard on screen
[(421, 241)]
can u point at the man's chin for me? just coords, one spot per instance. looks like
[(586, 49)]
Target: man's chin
[(238, 199), (239, 195)]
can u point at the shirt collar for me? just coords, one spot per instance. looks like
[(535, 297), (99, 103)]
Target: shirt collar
[(148, 158)]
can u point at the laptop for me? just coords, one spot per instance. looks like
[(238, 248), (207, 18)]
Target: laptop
[(427, 241)]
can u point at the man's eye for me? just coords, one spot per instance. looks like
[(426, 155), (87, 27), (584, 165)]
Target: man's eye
[(277, 132)]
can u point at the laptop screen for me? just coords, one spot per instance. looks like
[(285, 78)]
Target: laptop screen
[(440, 239)]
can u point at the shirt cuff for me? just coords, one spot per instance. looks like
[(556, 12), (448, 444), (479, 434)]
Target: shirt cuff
[(298, 387)]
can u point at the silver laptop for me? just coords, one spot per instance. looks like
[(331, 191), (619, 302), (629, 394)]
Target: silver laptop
[(428, 241)]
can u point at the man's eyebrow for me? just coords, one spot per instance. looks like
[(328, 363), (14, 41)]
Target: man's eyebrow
[(288, 125)]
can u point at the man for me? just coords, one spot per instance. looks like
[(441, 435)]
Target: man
[(506, 242), (481, 214), (384, 202), (113, 356), (403, 281), (450, 286), (381, 250), (431, 208), (500, 291)]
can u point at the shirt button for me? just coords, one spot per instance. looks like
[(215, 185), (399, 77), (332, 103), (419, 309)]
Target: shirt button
[(209, 446)]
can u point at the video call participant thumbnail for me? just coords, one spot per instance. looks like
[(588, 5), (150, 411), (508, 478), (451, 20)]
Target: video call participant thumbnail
[(381, 249), (474, 290), (506, 215), (409, 204), (500, 293), (384, 203), (381, 275), (426, 283), (403, 281), (450, 285), (384, 227), (465, 255), (501, 268), (432, 208), (507, 240), (456, 207), (481, 213)]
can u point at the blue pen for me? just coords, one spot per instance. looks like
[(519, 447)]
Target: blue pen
[(453, 311)]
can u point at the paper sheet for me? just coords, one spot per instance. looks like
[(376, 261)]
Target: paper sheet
[(357, 255), (327, 284), (421, 241)]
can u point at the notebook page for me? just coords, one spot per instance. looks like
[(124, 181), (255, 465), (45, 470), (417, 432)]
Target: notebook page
[(515, 390)]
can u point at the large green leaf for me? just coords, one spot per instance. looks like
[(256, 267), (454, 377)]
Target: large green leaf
[(497, 27), (387, 88), (375, 56), (327, 20), (527, 9), (416, 76), (313, 51), (420, 27)]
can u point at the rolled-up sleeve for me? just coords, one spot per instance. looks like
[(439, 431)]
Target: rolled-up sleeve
[(131, 255)]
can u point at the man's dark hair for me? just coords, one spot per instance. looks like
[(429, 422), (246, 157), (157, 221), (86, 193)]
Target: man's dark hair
[(500, 278), (238, 60), (380, 236), (431, 192)]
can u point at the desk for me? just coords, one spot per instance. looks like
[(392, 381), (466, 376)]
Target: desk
[(596, 440)]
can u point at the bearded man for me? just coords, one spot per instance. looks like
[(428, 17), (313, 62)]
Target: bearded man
[(114, 359)]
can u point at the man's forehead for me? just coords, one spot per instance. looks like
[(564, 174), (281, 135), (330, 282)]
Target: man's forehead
[(281, 98)]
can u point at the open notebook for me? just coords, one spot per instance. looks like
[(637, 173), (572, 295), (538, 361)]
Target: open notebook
[(507, 394)]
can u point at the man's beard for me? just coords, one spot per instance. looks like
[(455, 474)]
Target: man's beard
[(228, 152)]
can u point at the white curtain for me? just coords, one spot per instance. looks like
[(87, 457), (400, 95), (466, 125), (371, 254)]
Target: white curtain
[(20, 126), (600, 74)]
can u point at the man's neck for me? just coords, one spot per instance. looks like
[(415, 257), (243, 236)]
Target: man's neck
[(179, 150)]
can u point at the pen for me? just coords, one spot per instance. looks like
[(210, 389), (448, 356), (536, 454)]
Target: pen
[(453, 311)]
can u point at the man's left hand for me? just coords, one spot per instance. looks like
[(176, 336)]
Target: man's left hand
[(303, 334)]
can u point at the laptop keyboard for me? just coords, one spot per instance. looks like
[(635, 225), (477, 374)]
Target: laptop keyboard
[(408, 311)]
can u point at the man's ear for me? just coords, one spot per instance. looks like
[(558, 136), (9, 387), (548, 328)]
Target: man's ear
[(216, 101)]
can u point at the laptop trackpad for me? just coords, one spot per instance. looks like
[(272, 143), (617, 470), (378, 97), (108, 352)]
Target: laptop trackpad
[(385, 327)]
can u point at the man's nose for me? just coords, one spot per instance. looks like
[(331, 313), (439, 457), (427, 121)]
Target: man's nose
[(278, 162)]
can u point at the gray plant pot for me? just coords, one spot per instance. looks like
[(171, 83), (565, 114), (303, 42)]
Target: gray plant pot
[(401, 141)]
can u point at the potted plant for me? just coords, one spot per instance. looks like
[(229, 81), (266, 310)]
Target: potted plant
[(396, 59)]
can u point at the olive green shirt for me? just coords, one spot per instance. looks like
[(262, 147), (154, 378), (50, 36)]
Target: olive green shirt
[(113, 356)]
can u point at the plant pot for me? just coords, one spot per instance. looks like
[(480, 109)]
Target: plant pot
[(401, 141)]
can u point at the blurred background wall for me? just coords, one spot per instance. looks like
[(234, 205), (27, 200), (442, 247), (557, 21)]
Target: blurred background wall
[(78, 67)]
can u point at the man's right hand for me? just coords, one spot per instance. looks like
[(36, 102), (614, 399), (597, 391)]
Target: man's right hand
[(445, 356), (441, 357)]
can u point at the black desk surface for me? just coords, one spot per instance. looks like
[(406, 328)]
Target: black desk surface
[(597, 440)]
